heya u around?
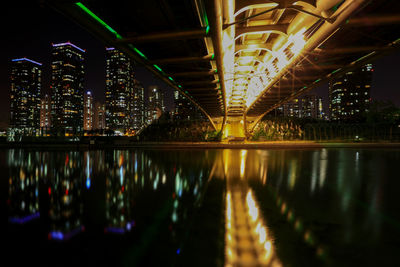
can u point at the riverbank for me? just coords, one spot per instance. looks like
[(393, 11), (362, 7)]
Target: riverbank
[(196, 145)]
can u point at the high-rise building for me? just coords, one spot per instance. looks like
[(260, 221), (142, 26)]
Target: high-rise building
[(100, 116), (45, 114), (311, 107), (307, 106), (155, 105), (184, 109), (292, 108), (119, 76), (67, 82), (88, 112), (137, 106), (25, 95), (349, 95)]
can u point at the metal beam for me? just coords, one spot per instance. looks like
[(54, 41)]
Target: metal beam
[(323, 33), (374, 20), (193, 73), (194, 83), (350, 50), (275, 28), (182, 60), (263, 46), (195, 89), (165, 36)]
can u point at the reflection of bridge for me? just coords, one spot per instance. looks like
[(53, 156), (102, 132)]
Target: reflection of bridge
[(237, 59)]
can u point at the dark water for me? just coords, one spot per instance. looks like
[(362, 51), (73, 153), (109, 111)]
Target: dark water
[(327, 207)]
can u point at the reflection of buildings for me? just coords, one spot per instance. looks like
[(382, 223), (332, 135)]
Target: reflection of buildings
[(155, 105), (65, 196), (349, 95), (25, 95), (45, 113), (88, 112), (67, 82), (23, 192), (119, 186), (119, 84)]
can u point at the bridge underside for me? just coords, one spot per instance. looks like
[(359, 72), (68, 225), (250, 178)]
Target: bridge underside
[(239, 59)]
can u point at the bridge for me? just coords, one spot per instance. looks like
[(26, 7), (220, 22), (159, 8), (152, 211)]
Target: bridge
[(237, 60)]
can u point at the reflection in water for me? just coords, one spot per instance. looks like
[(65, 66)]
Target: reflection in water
[(65, 185), (247, 239), (282, 207), (146, 196), (23, 189), (119, 185)]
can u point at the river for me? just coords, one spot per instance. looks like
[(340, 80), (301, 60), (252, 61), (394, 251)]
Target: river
[(182, 207)]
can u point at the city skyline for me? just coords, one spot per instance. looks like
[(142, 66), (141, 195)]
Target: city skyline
[(41, 26)]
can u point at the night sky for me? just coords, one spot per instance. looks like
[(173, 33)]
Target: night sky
[(30, 29)]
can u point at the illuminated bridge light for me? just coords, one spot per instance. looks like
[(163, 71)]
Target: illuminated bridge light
[(254, 74), (157, 67), (137, 51), (89, 12)]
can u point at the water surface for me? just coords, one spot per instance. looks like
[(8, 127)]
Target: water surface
[(323, 207)]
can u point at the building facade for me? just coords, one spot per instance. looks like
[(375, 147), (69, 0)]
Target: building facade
[(184, 109), (67, 86), (25, 96), (137, 106), (99, 116), (45, 114), (155, 106), (88, 113), (307, 106), (292, 108), (311, 107), (349, 95), (119, 86)]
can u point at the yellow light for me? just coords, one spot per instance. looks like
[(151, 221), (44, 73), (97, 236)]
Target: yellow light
[(242, 162), (245, 60), (262, 235), (253, 210)]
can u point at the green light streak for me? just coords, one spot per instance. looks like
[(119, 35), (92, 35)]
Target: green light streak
[(205, 18), (88, 11), (317, 80), (333, 72), (305, 87), (212, 57), (137, 51), (180, 86), (157, 67), (207, 29), (170, 78)]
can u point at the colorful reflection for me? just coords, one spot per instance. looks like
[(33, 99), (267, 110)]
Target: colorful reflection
[(65, 186), (119, 193), (23, 186)]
